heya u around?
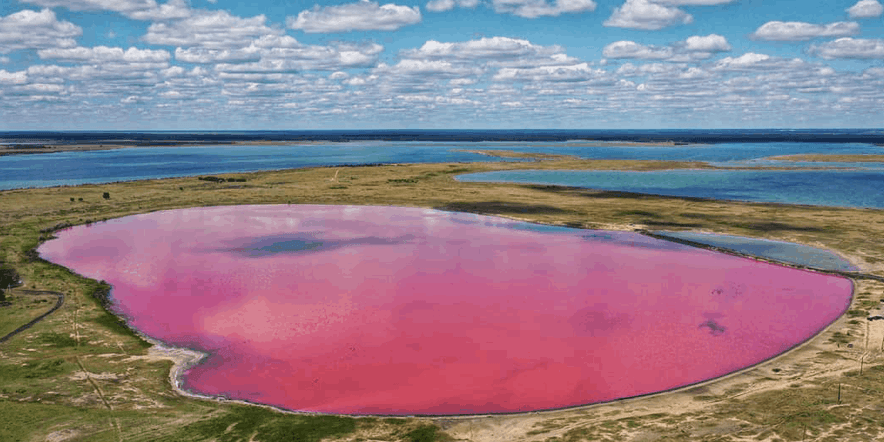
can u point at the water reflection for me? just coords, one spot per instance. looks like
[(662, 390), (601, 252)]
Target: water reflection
[(385, 310)]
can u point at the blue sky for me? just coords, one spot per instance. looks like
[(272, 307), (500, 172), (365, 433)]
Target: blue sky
[(292, 64)]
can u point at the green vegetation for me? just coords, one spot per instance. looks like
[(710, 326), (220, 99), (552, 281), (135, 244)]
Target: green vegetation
[(261, 424), (426, 433), (215, 179)]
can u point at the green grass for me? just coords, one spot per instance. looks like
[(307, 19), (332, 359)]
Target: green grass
[(426, 433), (57, 339), (22, 309), (48, 368), (244, 422)]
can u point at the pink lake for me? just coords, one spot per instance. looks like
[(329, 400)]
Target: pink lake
[(405, 311)]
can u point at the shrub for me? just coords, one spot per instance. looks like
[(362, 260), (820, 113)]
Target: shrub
[(8, 277), (106, 195)]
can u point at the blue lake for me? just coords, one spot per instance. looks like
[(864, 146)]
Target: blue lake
[(775, 250), (730, 154), (72, 168), (840, 188)]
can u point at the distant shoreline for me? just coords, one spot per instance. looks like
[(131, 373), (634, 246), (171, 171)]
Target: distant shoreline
[(59, 141)]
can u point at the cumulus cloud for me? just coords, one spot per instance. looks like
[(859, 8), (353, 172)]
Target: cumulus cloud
[(693, 2), (693, 48), (20, 77), (215, 29), (866, 9), (136, 9), (32, 30), (285, 54), (579, 72), (104, 54), (631, 49), (538, 8), (708, 43), (752, 61), (205, 55), (433, 67), (443, 65), (745, 60), (800, 31), (644, 14), (364, 15), (498, 51), (447, 5), (847, 47)]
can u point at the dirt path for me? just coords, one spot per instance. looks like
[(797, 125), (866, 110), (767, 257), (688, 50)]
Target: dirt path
[(58, 305)]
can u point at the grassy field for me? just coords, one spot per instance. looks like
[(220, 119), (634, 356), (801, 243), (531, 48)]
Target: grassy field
[(82, 375)]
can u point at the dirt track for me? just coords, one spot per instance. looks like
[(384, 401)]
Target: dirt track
[(58, 305)]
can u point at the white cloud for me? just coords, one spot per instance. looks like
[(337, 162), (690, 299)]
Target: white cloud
[(173, 9), (204, 55), (866, 9), (31, 29), (577, 72), (745, 60), (643, 14), (20, 77), (693, 2), (800, 31), (136, 9), (498, 51), (104, 54), (708, 43), (215, 30), (752, 61), (631, 49), (434, 67), (693, 48), (364, 15), (537, 8), (291, 56), (173, 71), (446, 5), (850, 48)]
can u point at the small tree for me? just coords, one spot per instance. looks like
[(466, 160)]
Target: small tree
[(106, 195), (8, 278)]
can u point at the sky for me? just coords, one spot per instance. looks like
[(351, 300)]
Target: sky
[(440, 64)]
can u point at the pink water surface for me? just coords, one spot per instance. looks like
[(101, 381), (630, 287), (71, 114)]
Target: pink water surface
[(386, 310)]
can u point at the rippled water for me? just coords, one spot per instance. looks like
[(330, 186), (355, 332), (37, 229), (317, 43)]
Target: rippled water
[(838, 188), (776, 250), (71, 168), (404, 311)]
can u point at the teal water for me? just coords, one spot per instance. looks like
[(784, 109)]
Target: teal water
[(837, 188), (775, 250), (73, 168)]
